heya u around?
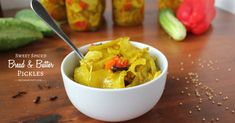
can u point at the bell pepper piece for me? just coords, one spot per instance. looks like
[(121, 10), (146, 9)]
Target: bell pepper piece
[(196, 15), (81, 24), (127, 5), (83, 5)]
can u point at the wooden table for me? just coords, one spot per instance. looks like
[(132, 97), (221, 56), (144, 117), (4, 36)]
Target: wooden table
[(211, 56)]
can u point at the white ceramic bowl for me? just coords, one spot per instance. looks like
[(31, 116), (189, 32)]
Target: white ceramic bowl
[(114, 104)]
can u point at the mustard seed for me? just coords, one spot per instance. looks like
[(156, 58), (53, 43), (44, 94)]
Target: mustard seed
[(199, 109), (210, 98), (180, 103), (217, 119), (203, 119), (225, 98), (181, 63), (226, 108), (213, 102), (229, 69), (189, 55), (233, 111), (219, 104), (182, 92), (190, 112)]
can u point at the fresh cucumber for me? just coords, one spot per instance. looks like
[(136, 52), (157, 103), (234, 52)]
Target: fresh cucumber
[(29, 16), (172, 25), (15, 33)]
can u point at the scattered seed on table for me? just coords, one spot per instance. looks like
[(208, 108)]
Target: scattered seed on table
[(220, 93), (217, 119), (189, 55), (225, 98), (182, 92), (37, 99), (200, 101), (213, 102), (219, 104), (189, 94), (190, 112), (181, 63), (199, 59), (180, 103), (181, 69), (233, 111), (210, 97), (186, 77), (192, 62), (199, 109), (173, 77), (226, 108), (229, 69), (53, 98), (177, 78), (186, 88), (216, 79), (203, 119), (197, 93)]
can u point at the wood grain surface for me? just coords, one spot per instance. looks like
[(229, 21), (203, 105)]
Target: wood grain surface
[(210, 57)]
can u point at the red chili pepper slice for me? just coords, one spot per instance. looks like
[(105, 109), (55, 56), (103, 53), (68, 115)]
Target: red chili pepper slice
[(81, 24), (83, 5)]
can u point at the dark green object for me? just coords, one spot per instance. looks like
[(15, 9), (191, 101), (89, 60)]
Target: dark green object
[(15, 33), (29, 16), (172, 25)]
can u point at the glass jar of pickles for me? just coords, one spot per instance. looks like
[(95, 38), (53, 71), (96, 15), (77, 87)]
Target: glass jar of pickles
[(56, 8), (128, 12), (85, 15), (173, 4)]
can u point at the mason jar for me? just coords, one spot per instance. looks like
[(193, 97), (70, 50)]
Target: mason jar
[(128, 12), (85, 15), (55, 8)]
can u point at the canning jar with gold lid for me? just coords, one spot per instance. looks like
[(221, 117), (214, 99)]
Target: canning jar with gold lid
[(85, 15)]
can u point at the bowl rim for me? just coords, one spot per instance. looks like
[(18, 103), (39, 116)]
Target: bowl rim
[(164, 71)]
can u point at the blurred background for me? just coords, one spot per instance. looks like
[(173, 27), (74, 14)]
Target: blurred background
[(228, 5)]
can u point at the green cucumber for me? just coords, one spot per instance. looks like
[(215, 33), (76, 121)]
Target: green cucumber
[(29, 16), (172, 25), (15, 33)]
